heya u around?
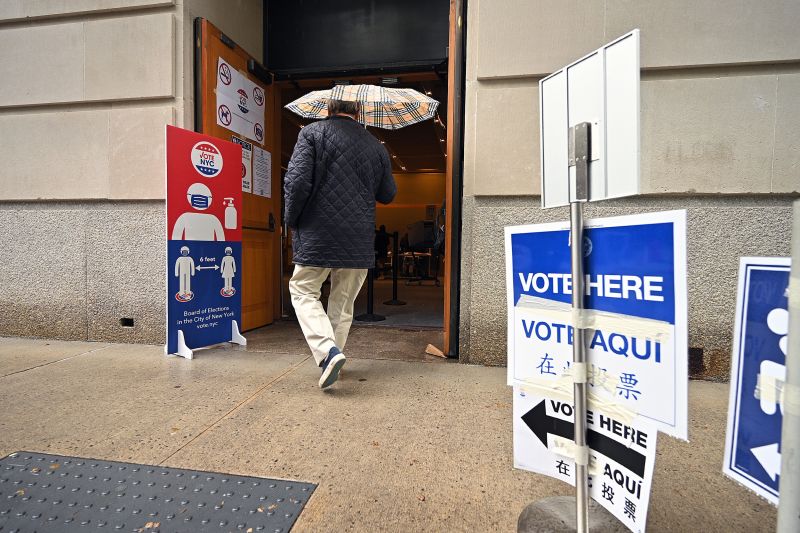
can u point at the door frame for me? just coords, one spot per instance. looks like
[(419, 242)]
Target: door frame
[(456, 87)]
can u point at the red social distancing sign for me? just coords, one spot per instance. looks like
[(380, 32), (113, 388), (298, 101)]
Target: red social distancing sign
[(203, 171)]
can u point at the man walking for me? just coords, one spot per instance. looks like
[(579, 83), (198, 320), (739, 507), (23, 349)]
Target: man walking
[(337, 172)]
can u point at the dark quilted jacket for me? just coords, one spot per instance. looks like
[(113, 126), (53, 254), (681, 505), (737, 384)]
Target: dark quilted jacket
[(337, 172)]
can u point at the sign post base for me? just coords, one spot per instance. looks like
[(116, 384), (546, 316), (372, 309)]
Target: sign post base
[(557, 515), (183, 350), (236, 337)]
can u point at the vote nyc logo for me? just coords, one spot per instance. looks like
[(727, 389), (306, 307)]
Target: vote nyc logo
[(243, 107), (206, 159)]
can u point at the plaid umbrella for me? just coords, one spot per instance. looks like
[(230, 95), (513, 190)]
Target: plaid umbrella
[(381, 107)]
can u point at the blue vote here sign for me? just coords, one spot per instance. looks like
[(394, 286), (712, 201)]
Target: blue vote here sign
[(758, 372), (634, 319)]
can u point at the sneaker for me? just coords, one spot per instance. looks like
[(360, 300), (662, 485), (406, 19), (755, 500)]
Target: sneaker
[(331, 367)]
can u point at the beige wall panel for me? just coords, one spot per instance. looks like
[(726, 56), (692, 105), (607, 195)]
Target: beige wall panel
[(31, 9), (507, 139), (473, 30), (41, 64), (59, 155), (130, 57), (138, 152), (691, 32), (534, 37), (470, 151), (470, 98), (708, 135), (786, 172), (241, 20)]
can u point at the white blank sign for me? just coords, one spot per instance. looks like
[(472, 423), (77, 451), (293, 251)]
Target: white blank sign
[(601, 88)]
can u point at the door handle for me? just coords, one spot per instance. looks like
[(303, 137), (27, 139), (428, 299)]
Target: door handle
[(271, 223)]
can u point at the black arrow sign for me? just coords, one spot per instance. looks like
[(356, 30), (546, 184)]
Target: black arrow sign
[(540, 423)]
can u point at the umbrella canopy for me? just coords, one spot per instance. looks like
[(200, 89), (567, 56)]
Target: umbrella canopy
[(381, 107)]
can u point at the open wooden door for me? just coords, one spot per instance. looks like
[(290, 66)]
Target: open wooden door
[(454, 153), (261, 213)]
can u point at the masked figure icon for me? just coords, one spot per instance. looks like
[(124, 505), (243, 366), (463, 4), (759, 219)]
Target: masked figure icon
[(184, 270), (228, 271), (198, 226)]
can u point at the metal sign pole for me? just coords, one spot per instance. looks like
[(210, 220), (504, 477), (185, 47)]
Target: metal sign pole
[(580, 150)]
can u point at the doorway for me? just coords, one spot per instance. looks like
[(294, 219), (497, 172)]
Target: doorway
[(409, 275), (426, 160)]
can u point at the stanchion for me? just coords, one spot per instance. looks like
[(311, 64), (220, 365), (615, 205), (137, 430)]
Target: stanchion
[(370, 316), (395, 270)]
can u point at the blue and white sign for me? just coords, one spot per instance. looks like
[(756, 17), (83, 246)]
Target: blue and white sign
[(635, 313), (758, 372)]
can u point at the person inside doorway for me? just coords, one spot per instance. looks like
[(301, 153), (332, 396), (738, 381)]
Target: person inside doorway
[(381, 250), (337, 172)]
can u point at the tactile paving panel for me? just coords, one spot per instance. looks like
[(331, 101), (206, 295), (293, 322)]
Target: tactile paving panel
[(51, 493)]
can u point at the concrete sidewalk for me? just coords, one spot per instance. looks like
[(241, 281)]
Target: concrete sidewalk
[(397, 445)]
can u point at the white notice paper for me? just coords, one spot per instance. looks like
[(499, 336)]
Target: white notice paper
[(240, 103), (247, 164), (262, 172)]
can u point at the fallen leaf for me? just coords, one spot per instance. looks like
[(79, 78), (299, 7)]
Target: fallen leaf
[(260, 509), (20, 492), (55, 466), (272, 507), (249, 530), (148, 525), (421, 498), (36, 470)]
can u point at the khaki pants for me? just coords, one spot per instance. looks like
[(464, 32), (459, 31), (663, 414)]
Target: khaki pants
[(324, 330)]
